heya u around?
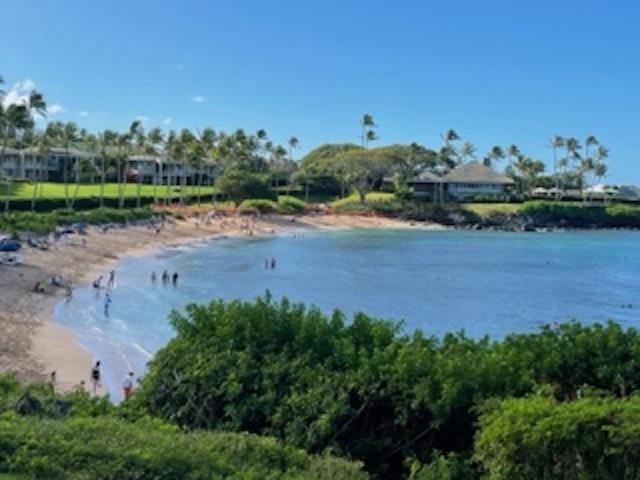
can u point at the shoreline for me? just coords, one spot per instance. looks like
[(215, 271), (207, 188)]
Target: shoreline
[(35, 345)]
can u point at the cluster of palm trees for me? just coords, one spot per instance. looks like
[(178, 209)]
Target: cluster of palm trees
[(17, 120), (570, 169), (575, 165)]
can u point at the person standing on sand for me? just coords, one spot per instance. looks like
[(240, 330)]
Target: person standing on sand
[(127, 385), (153, 277), (175, 278), (112, 279), (95, 377)]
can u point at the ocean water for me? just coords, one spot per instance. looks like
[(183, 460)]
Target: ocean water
[(485, 283)]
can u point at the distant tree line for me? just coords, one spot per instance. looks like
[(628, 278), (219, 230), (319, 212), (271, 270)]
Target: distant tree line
[(251, 165)]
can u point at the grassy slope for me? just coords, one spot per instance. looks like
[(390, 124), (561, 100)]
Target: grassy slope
[(56, 190)]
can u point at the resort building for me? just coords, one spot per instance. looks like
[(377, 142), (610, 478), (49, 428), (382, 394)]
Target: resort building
[(464, 182), (60, 163), (475, 179)]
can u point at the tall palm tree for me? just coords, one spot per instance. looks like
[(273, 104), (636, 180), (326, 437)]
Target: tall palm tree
[(447, 155), (495, 155), (108, 140), (207, 141), (293, 143), (15, 118), (467, 151), (571, 146), (41, 147), (69, 137), (599, 167), (171, 148), (368, 129), (555, 142), (155, 140), (588, 162), (140, 148), (513, 152), (187, 142)]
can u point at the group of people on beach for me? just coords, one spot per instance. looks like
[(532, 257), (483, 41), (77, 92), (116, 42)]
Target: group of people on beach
[(96, 381), (56, 281), (166, 278), (111, 283)]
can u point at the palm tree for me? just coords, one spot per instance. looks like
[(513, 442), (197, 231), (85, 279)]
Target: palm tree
[(555, 142), (587, 163), (186, 140), (207, 141), (66, 135), (14, 118), (467, 150), (513, 152), (368, 129), (600, 171), (599, 167), (495, 155), (155, 139), (41, 147), (171, 145), (107, 140), (447, 154), (571, 146), (293, 143)]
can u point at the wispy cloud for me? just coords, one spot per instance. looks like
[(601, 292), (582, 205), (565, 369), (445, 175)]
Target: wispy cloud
[(54, 109), (167, 121), (198, 99), (142, 118), (83, 114)]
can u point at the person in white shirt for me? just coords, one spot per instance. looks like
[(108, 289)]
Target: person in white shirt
[(127, 385)]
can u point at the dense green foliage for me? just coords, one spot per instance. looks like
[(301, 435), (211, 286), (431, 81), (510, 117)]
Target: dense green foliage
[(362, 388), (43, 223), (77, 437), (579, 216), (532, 438)]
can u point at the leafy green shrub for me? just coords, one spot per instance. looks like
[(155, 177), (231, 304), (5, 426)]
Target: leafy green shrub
[(110, 448), (258, 205), (289, 204), (532, 438)]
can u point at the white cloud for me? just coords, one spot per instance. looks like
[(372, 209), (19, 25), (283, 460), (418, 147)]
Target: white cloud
[(19, 92), (179, 67), (54, 109), (142, 118), (83, 114), (167, 121), (198, 99)]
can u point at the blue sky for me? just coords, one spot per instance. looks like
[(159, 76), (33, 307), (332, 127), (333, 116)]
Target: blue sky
[(498, 72)]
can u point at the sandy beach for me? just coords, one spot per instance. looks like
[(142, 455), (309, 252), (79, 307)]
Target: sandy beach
[(33, 345)]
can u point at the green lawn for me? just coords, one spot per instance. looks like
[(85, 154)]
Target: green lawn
[(56, 190), (370, 197), (484, 209)]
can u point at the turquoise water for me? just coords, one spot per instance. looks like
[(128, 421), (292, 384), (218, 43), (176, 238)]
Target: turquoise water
[(486, 283)]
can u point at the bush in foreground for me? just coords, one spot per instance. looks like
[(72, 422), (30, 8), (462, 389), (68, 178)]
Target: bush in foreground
[(81, 437), (362, 389)]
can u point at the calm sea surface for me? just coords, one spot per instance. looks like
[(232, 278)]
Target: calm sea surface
[(492, 283)]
